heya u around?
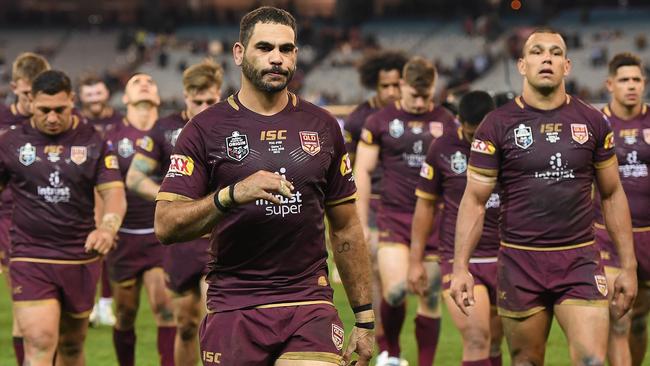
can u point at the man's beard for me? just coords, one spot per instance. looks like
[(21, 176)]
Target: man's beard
[(257, 77)]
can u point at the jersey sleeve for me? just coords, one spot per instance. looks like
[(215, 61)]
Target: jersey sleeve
[(4, 171), (605, 154), (430, 182), (485, 153), (371, 131), (108, 168), (187, 177), (340, 182), (352, 131)]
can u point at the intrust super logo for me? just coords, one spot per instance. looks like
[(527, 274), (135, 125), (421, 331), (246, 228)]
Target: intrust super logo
[(180, 165), (287, 206)]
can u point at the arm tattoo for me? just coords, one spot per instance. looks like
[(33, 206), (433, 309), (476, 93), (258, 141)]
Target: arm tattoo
[(344, 247)]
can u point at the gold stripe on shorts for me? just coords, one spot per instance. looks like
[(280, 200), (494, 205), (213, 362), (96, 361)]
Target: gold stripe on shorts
[(583, 302), (432, 258), (53, 261), (519, 314), (25, 303), (126, 283), (547, 249), (312, 356), (296, 303), (83, 315)]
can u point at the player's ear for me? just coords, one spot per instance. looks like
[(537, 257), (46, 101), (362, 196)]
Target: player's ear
[(609, 84), (125, 98), (567, 67), (521, 66), (238, 53), (71, 99), (13, 86)]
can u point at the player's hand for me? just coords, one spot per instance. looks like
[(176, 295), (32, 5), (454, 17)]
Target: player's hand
[(100, 240), (362, 342), (417, 278), (462, 290), (625, 289), (262, 185)]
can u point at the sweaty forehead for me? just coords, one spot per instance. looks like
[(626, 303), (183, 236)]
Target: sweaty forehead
[(545, 40), (272, 33), (140, 78)]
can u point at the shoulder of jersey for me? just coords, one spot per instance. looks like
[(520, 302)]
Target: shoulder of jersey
[(320, 113)]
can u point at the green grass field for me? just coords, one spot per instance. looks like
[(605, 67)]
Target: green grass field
[(99, 346)]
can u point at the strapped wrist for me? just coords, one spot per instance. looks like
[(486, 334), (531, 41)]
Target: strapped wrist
[(111, 222)]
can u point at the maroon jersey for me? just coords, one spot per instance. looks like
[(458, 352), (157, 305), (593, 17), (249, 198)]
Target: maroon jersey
[(123, 138), (264, 253), (9, 116), (52, 179), (353, 126), (160, 141), (632, 139), (403, 139), (444, 175), (545, 162), (106, 124)]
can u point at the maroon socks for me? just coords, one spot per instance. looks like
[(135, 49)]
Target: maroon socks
[(392, 318), (427, 331), (124, 342), (19, 350), (166, 337)]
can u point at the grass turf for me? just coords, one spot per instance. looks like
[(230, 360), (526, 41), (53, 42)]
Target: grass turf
[(99, 344)]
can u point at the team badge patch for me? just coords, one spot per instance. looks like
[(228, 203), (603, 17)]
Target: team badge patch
[(338, 336), (180, 165), (609, 141), (483, 147), (125, 148), (237, 146), (601, 283), (78, 154), (646, 135), (579, 133), (436, 129), (458, 162), (346, 165), (111, 162), (523, 136), (396, 128), (146, 143), (27, 154), (426, 171), (309, 142)]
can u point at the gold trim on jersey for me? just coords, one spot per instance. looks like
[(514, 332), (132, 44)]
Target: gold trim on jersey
[(374, 102), (644, 109), (492, 173), (295, 303), (432, 258), (233, 104), (607, 111), (126, 283), (167, 196), (25, 303), (519, 102), (583, 302), (14, 109), (54, 261), (75, 121), (519, 314), (294, 99), (398, 105), (109, 185), (351, 197), (606, 163), (459, 130), (634, 229), (425, 195), (568, 99), (547, 249), (312, 356)]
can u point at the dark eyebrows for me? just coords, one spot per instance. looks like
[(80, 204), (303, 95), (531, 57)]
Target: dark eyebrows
[(284, 46)]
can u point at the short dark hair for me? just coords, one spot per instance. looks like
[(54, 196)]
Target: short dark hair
[(51, 82), (625, 59), (419, 73), (265, 15), (474, 106), (543, 30), (372, 64), (90, 80)]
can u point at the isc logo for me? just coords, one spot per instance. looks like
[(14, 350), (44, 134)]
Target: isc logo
[(211, 357), (271, 135), (550, 127)]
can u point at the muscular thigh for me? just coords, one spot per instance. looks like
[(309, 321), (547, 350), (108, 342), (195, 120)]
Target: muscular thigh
[(586, 329), (393, 267), (526, 337)]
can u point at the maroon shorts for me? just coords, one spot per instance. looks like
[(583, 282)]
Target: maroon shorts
[(256, 337), (395, 228), (609, 254), (185, 265), (72, 284), (530, 281), (5, 241), (484, 271), (134, 255), (372, 212)]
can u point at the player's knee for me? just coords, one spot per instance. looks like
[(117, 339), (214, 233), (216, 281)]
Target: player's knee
[(620, 328), (162, 310), (639, 325), (396, 295), (187, 328), (476, 339), (70, 348), (525, 358), (41, 341), (592, 361), (125, 316)]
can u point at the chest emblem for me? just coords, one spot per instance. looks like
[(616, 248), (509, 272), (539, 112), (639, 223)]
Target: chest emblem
[(27, 154), (646, 135), (125, 148), (237, 146), (78, 154), (458, 162), (396, 128), (309, 142), (523, 136), (579, 133), (436, 129)]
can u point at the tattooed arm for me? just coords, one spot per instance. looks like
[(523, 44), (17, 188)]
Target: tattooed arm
[(138, 178)]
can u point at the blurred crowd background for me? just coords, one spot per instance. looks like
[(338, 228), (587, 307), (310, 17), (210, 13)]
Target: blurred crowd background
[(474, 43)]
